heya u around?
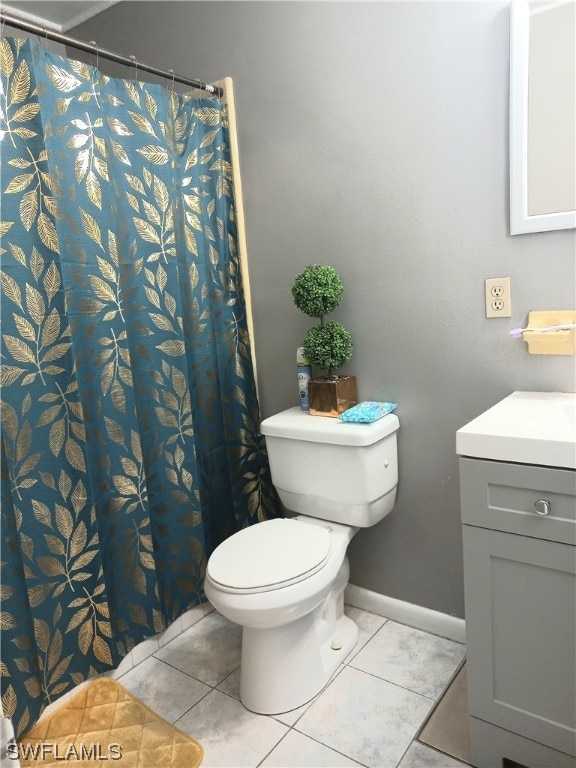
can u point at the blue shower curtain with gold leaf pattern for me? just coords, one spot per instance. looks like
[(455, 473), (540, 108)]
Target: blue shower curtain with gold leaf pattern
[(130, 442)]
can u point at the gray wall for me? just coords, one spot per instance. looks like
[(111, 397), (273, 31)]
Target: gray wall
[(373, 137)]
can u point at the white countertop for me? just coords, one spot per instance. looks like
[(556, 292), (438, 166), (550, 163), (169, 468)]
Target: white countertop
[(525, 427)]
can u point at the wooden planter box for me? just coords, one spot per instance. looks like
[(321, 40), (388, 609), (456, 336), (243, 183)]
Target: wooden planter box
[(332, 396)]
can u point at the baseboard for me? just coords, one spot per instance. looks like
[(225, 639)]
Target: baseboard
[(407, 613)]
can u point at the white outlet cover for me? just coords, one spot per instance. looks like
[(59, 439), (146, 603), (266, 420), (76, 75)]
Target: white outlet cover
[(497, 297)]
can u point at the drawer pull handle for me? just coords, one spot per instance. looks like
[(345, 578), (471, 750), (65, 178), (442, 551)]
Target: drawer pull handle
[(542, 507)]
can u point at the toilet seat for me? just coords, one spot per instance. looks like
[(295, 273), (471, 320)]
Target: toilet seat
[(269, 555)]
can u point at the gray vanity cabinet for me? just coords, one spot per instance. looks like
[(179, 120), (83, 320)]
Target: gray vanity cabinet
[(519, 538)]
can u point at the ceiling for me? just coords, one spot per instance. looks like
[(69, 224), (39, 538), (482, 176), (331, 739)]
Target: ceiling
[(61, 15)]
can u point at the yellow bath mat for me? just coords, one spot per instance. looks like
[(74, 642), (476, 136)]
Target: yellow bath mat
[(104, 725)]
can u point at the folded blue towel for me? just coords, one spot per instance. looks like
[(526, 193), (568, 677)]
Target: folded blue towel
[(367, 411)]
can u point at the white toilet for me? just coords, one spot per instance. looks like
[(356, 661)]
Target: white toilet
[(283, 580)]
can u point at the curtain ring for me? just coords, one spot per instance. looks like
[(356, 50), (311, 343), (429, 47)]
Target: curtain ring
[(2, 27), (95, 46), (133, 60), (43, 43), (171, 71)]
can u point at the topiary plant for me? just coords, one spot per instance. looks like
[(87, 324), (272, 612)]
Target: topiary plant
[(317, 291)]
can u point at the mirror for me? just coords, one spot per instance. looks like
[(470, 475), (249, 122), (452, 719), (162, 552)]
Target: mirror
[(542, 115)]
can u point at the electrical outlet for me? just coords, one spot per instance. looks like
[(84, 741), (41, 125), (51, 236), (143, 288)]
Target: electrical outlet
[(497, 296)]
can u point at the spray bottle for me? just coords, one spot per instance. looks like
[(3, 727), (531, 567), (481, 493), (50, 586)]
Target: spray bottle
[(304, 376)]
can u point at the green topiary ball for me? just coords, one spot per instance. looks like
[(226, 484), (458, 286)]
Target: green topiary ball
[(328, 346), (318, 290)]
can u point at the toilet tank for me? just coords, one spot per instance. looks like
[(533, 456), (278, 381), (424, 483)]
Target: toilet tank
[(323, 467)]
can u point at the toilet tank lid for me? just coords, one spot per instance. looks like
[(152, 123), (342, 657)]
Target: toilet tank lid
[(297, 424)]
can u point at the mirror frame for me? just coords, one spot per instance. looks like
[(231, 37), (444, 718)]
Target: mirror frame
[(520, 221)]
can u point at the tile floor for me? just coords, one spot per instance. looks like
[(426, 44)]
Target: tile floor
[(368, 715)]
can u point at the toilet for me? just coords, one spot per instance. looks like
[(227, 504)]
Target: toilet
[(283, 580)]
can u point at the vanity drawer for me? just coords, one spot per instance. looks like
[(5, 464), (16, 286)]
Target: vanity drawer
[(502, 496)]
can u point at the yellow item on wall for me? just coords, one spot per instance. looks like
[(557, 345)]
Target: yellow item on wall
[(562, 342)]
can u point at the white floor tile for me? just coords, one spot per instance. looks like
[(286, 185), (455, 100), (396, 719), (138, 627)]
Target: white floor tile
[(193, 616), (365, 718), (421, 756), (409, 657), (290, 718), (169, 692), (171, 631), (208, 651), (232, 736), (299, 751), (368, 624), (231, 684), (125, 665), (143, 650)]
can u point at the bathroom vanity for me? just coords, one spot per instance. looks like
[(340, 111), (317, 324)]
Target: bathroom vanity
[(518, 502)]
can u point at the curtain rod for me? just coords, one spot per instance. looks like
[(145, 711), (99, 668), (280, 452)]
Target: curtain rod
[(82, 45)]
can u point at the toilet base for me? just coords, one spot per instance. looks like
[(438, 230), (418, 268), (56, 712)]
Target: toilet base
[(277, 675), (285, 667)]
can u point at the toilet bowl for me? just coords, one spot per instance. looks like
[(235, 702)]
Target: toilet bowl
[(283, 580), (292, 613)]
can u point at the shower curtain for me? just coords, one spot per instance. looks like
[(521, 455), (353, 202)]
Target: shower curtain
[(130, 440)]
